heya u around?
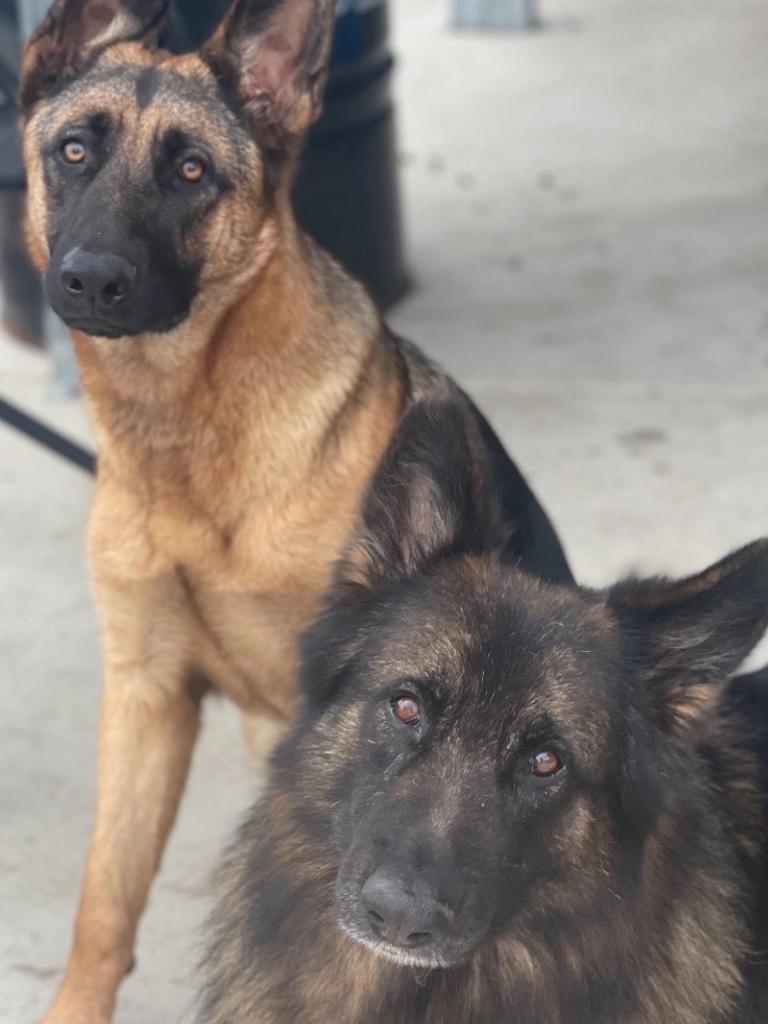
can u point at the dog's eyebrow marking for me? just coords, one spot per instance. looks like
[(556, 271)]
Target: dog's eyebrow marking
[(147, 85)]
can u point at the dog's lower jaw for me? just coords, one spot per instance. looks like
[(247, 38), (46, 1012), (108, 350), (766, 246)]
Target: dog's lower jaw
[(392, 953), (112, 332)]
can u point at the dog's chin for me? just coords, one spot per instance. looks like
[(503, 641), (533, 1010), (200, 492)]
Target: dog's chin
[(425, 961), (450, 951), (104, 329)]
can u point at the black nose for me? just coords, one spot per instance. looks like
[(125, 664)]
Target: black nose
[(95, 282), (405, 914)]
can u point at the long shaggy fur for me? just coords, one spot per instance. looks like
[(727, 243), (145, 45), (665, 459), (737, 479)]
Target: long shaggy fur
[(629, 890)]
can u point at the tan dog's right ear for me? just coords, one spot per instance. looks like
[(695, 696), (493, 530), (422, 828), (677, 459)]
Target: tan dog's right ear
[(273, 54), (73, 32)]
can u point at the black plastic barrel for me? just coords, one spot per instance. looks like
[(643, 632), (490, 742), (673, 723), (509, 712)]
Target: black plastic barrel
[(346, 192)]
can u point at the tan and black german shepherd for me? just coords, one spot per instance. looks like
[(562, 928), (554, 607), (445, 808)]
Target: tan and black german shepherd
[(242, 389), (506, 801)]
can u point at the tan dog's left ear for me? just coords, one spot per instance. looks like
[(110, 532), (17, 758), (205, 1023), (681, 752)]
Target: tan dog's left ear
[(274, 54), (73, 32)]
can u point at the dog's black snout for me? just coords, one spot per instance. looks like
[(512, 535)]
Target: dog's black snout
[(96, 282), (407, 915)]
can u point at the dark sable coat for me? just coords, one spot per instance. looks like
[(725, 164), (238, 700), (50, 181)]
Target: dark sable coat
[(628, 886)]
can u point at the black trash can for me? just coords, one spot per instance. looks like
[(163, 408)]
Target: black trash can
[(346, 192)]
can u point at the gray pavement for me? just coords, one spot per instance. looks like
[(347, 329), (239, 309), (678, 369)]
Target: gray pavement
[(588, 228)]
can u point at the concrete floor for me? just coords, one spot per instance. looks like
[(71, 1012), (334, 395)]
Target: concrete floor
[(587, 212)]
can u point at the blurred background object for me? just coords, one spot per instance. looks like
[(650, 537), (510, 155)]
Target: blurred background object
[(22, 310), (26, 315), (514, 14), (346, 192)]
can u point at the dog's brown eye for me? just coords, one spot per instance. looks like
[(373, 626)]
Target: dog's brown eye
[(407, 709), (192, 169), (73, 151), (545, 763)]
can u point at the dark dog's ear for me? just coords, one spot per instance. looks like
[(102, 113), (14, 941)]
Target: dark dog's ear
[(73, 32), (274, 56), (689, 636), (429, 497)]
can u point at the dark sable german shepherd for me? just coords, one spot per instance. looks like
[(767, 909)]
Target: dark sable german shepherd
[(507, 801), (242, 388)]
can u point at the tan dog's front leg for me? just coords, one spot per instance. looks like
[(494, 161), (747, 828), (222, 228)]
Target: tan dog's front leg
[(146, 736)]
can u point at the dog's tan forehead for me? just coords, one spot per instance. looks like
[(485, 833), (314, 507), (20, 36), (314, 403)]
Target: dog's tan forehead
[(147, 93), (188, 65)]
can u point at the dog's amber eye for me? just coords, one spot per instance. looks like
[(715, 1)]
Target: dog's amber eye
[(545, 763), (73, 151), (192, 169), (407, 709)]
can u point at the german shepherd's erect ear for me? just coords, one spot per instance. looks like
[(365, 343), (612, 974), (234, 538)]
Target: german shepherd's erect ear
[(273, 54), (688, 637), (74, 32), (429, 498)]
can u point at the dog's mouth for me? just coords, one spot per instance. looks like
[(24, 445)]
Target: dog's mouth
[(424, 951), (423, 958), (98, 328)]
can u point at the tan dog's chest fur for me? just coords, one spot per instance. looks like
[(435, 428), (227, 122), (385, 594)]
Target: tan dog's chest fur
[(222, 500)]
